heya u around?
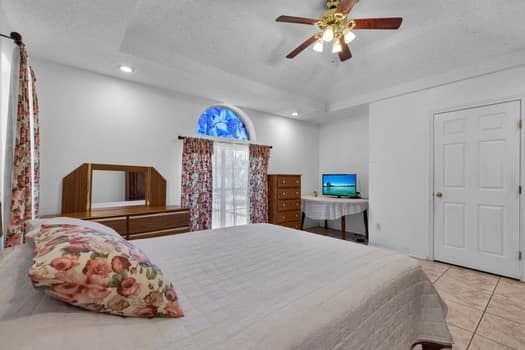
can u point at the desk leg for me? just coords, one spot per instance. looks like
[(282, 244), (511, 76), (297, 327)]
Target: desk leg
[(326, 224), (365, 218), (302, 220), (343, 227)]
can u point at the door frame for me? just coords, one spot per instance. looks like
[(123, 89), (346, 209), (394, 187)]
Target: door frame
[(521, 175)]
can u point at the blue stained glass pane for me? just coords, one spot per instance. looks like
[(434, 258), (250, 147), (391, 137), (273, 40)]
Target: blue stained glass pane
[(222, 122)]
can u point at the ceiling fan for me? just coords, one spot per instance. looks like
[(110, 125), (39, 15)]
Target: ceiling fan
[(337, 27)]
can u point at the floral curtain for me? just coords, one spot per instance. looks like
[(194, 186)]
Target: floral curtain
[(259, 159), (26, 170), (197, 182)]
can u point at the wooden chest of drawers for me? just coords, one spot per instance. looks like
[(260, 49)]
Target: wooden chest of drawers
[(140, 222), (284, 199)]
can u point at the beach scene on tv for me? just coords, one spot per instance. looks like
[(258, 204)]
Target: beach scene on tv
[(340, 185)]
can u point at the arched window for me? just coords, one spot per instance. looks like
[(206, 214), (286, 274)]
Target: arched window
[(231, 163), (222, 121)]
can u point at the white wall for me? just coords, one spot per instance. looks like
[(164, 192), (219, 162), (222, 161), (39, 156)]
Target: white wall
[(108, 186), (344, 148), (400, 156), (4, 25), (87, 117)]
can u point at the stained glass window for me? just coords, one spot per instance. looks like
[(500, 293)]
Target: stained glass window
[(221, 121)]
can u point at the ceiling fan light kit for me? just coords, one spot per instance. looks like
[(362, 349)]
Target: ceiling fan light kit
[(348, 35), (328, 34), (336, 48), (336, 27), (319, 45)]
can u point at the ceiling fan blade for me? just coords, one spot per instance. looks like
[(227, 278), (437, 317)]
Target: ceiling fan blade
[(345, 53), (303, 46), (378, 23), (298, 20), (345, 6)]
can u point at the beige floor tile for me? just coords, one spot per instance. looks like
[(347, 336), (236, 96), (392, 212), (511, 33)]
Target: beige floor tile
[(502, 331), (434, 270), (463, 316), (472, 278), (510, 288), (512, 309), (482, 343), (452, 290), (461, 337)]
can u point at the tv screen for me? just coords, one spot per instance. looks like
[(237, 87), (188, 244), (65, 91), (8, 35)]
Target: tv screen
[(340, 185)]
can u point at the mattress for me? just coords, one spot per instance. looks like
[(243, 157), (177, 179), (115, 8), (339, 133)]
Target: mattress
[(247, 287)]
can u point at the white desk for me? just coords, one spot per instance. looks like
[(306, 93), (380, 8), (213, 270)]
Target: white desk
[(331, 208)]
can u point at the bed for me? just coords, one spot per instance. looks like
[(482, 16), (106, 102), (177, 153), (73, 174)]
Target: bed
[(247, 287)]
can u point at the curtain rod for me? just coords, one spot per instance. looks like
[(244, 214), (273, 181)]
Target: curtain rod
[(214, 139), (16, 37)]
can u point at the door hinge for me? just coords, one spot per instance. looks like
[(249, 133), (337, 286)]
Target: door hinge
[(520, 124), (520, 256), (520, 189)]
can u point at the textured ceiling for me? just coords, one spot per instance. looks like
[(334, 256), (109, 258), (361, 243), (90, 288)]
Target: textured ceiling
[(233, 51)]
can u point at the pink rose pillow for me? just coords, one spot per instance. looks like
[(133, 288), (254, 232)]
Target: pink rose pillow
[(100, 271)]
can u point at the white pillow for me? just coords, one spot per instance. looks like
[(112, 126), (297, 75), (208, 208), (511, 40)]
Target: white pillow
[(18, 298), (33, 226)]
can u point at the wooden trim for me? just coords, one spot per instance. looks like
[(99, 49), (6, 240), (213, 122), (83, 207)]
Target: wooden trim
[(155, 188), (160, 233), (76, 190), (90, 186), (116, 167), (1, 222)]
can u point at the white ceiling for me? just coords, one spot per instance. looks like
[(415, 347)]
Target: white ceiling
[(233, 50)]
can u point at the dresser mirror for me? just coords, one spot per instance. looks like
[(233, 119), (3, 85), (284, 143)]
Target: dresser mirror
[(117, 188), (109, 186)]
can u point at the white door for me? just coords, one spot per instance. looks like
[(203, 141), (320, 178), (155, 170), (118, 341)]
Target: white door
[(476, 179)]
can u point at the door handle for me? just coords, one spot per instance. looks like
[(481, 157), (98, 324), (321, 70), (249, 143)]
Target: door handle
[(439, 194)]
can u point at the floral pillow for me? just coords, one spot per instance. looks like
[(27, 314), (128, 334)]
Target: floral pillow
[(100, 271)]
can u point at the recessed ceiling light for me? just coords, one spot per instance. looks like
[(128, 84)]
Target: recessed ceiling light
[(126, 69), (295, 114)]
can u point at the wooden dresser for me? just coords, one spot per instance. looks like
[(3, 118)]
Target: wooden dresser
[(152, 219), (139, 222), (284, 199)]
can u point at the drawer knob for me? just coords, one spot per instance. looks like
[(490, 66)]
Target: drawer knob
[(284, 181), (296, 193), (284, 205), (284, 193), (296, 215), (297, 181)]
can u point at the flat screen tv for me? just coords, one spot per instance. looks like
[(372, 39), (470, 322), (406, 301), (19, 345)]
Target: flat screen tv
[(340, 185)]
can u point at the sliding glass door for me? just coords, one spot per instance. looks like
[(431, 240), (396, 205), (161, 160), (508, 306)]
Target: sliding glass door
[(230, 185)]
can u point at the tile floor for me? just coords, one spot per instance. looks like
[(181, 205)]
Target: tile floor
[(486, 312)]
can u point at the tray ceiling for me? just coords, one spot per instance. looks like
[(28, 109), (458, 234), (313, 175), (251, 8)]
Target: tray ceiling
[(233, 51)]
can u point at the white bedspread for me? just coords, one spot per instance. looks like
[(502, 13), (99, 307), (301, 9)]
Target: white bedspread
[(248, 287)]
